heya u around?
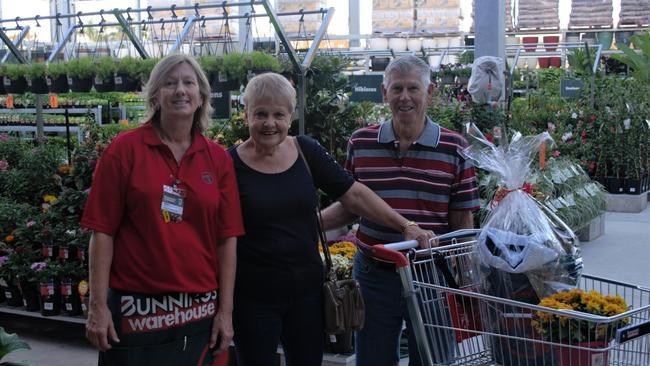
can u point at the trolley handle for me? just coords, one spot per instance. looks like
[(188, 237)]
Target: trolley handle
[(391, 252)]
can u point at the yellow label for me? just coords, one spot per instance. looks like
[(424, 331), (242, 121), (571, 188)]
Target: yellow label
[(166, 217), (83, 288)]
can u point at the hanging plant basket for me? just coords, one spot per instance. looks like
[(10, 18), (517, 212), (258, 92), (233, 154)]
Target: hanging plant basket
[(58, 84), (123, 83), (103, 86), (50, 297), (37, 85), (15, 86), (80, 85)]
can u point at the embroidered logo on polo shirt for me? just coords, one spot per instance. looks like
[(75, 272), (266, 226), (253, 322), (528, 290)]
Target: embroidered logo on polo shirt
[(207, 177)]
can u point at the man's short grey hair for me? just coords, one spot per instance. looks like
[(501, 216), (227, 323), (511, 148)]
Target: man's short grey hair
[(406, 64)]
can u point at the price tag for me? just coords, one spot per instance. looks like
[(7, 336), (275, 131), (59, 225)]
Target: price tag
[(9, 102), (68, 306), (48, 305), (570, 200), (54, 101)]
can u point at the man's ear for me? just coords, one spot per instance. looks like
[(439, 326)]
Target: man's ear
[(383, 92)]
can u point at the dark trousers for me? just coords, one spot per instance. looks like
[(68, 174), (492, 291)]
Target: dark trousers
[(156, 331), (295, 323)]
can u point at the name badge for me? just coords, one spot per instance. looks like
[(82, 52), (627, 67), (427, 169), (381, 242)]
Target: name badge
[(172, 204)]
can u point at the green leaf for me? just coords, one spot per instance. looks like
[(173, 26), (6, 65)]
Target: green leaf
[(9, 343)]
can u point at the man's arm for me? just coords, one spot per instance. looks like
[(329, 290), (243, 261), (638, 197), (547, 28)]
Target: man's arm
[(336, 216)]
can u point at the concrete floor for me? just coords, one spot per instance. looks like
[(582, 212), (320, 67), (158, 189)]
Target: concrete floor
[(621, 254)]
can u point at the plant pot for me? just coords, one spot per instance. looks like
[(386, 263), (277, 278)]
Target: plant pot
[(49, 250), (12, 294), (37, 86), (29, 291), (67, 253), (551, 42), (340, 343), (615, 185), (447, 79), (58, 84), (633, 186), (103, 86), (544, 62), (555, 61), (379, 63), (15, 86), (530, 43), (50, 297), (605, 39), (80, 85), (583, 357), (124, 84), (70, 299), (623, 37), (81, 254)]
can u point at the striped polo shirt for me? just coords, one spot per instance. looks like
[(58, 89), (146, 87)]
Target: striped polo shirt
[(422, 184)]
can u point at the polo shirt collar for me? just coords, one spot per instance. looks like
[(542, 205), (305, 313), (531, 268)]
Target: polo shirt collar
[(151, 138), (430, 136)]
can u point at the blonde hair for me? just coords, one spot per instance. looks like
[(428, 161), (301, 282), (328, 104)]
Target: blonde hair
[(157, 78), (270, 86)]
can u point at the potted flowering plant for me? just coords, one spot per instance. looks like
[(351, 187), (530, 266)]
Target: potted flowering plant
[(571, 330), (47, 276), (71, 275)]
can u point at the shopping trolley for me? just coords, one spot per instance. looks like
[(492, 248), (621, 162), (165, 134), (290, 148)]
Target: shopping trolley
[(456, 323)]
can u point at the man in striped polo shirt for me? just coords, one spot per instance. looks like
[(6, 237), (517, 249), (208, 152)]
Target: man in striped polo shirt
[(415, 166)]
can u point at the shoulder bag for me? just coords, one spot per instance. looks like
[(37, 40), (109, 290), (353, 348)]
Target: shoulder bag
[(343, 306)]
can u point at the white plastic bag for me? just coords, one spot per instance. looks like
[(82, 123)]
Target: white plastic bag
[(486, 83)]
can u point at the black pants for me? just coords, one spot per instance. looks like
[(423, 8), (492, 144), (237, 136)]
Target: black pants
[(171, 329), (296, 323)]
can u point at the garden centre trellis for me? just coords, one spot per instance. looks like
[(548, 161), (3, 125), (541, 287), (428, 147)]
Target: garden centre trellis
[(127, 24)]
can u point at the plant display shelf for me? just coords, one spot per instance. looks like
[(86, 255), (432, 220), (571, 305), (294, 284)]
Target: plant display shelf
[(97, 112), (37, 314)]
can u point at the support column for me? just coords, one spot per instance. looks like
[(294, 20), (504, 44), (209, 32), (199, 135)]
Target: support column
[(489, 23), (353, 21)]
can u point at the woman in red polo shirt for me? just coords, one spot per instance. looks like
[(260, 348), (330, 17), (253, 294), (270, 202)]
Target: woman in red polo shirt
[(164, 210)]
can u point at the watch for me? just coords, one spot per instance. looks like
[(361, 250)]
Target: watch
[(405, 225)]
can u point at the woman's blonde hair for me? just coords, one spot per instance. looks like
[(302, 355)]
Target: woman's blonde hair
[(157, 78), (270, 86)]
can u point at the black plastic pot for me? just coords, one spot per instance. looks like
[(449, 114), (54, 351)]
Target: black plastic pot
[(38, 85), (15, 86), (80, 85), (124, 84), (70, 300), (103, 86), (378, 63), (49, 251), (31, 298), (58, 84), (67, 253), (12, 294), (50, 297)]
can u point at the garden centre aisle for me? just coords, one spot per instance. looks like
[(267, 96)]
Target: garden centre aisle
[(620, 254)]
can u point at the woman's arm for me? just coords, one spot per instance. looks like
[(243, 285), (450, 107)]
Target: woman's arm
[(222, 330), (99, 325), (362, 201)]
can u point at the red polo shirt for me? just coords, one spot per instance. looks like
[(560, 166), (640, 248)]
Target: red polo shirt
[(151, 256)]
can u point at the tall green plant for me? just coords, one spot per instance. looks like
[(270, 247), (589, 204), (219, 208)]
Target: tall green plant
[(638, 62)]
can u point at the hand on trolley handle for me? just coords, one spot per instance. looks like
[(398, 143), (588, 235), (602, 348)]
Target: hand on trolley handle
[(392, 252)]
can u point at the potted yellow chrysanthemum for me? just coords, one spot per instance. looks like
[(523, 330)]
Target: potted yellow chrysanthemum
[(572, 329)]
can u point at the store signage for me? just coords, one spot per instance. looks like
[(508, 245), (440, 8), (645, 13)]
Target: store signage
[(220, 102), (570, 88), (366, 88)]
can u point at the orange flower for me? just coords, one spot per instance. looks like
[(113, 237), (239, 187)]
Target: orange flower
[(65, 169), (9, 238)]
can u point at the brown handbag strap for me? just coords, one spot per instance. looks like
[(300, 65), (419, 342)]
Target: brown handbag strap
[(321, 233)]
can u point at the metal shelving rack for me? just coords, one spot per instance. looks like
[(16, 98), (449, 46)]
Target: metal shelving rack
[(97, 112)]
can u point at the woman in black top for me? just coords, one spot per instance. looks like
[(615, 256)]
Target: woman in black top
[(279, 271)]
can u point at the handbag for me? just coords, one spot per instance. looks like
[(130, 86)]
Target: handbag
[(343, 305)]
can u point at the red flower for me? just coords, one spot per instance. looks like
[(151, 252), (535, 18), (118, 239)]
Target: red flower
[(489, 137), (555, 153), (592, 118), (583, 136)]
